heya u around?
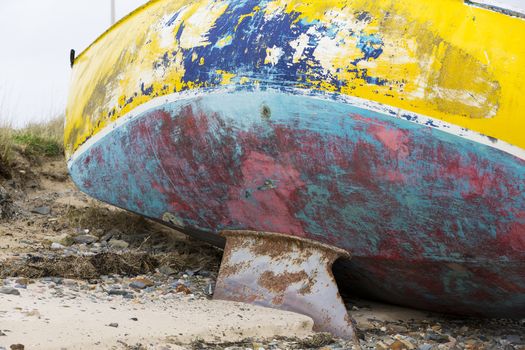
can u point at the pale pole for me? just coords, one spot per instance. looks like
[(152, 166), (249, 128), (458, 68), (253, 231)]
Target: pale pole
[(112, 12)]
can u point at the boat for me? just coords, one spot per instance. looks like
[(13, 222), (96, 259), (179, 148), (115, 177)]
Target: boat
[(391, 130)]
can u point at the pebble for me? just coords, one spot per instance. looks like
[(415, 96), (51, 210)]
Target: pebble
[(41, 210), (113, 324), (57, 246), (137, 285), (85, 239), (425, 347), (22, 281), (141, 283), (166, 270), (118, 292), (119, 244), (9, 291), (181, 288), (63, 239)]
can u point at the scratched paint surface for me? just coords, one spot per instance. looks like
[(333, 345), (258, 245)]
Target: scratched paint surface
[(440, 58), (404, 198)]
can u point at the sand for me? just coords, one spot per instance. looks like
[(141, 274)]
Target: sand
[(40, 320)]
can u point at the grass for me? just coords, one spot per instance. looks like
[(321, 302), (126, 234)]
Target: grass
[(42, 139), (45, 139), (6, 143)]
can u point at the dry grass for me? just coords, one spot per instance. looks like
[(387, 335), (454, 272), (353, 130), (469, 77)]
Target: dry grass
[(80, 267), (42, 139), (6, 142)]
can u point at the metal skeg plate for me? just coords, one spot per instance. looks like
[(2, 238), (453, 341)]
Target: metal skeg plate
[(284, 272)]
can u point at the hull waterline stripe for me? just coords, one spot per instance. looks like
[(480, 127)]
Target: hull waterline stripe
[(355, 101)]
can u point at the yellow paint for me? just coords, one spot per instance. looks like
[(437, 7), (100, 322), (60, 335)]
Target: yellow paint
[(442, 58), (227, 40), (226, 77)]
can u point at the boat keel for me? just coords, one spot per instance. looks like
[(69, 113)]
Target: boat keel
[(285, 272)]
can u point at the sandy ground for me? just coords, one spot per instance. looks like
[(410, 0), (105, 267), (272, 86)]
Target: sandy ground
[(40, 320)]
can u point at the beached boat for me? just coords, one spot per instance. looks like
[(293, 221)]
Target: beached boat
[(391, 129)]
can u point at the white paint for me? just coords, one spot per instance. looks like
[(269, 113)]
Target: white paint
[(517, 6), (273, 55), (299, 45), (199, 24), (355, 101), (325, 52)]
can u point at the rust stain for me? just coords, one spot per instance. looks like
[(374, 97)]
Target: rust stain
[(278, 283)]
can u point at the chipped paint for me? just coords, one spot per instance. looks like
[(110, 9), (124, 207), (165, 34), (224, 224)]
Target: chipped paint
[(404, 197), (391, 129), (406, 55)]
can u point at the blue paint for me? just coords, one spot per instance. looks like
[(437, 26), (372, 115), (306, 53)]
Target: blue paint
[(371, 46), (401, 215)]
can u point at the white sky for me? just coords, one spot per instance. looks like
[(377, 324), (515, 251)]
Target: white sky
[(35, 39)]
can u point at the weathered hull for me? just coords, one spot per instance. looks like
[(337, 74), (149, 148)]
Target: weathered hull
[(381, 127), (431, 219)]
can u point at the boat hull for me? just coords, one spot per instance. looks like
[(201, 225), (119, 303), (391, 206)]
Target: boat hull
[(432, 219)]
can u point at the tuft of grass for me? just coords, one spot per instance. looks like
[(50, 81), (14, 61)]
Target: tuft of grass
[(6, 149), (6, 144), (42, 139)]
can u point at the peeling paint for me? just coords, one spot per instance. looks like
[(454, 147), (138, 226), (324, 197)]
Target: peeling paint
[(403, 54), (407, 199)]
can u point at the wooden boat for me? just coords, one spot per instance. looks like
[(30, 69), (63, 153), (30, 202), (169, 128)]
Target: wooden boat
[(391, 129)]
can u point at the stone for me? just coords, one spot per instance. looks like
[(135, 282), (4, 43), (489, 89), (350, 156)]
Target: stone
[(257, 346), (208, 290), (22, 281), (63, 239), (399, 345), (137, 285), (9, 291), (85, 239), (398, 328), (425, 347), (181, 288), (57, 246), (381, 346), (142, 282), (440, 338), (44, 210), (106, 237), (113, 324), (515, 339), (17, 347), (166, 270), (118, 292), (119, 244), (204, 273), (408, 344)]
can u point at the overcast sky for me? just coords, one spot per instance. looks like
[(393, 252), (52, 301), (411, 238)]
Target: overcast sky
[(36, 36)]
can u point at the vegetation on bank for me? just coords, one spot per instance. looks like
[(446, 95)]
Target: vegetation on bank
[(44, 139)]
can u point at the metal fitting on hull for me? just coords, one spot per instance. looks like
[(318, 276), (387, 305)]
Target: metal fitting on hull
[(284, 272)]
